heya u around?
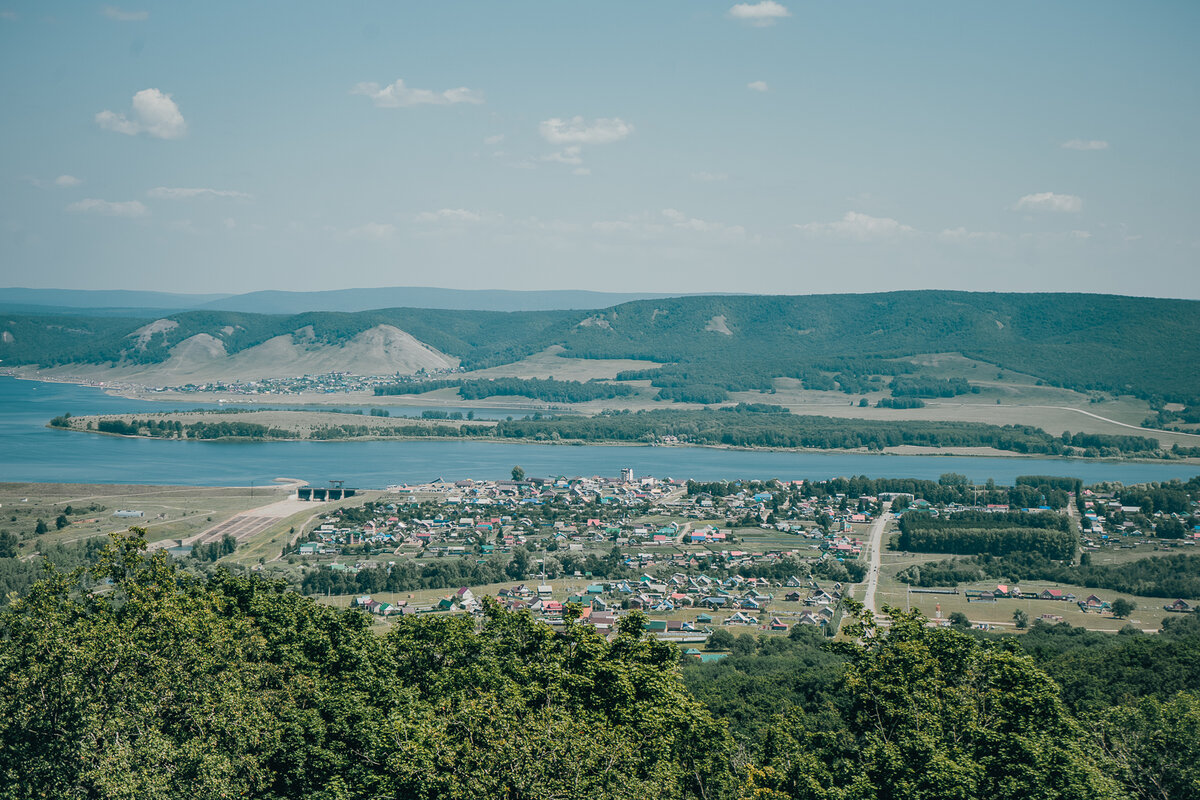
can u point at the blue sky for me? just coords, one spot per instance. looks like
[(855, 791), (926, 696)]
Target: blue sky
[(660, 145)]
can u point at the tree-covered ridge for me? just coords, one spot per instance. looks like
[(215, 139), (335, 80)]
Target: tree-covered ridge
[(1080, 341)]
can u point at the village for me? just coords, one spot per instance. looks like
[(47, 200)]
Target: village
[(764, 557)]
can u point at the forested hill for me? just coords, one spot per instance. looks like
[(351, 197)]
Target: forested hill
[(1143, 346)]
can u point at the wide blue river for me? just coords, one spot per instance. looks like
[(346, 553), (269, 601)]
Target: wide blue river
[(29, 451)]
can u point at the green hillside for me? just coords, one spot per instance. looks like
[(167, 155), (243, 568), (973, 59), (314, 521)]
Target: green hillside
[(1141, 346)]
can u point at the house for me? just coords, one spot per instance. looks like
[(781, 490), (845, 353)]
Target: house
[(776, 625), (739, 618), (1179, 606), (1052, 594), (704, 619), (793, 597), (1094, 603)]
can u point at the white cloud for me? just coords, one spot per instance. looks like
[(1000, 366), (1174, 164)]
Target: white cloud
[(448, 215), (154, 113), (856, 226), (112, 12), (67, 180), (757, 86), (397, 95), (1085, 144), (497, 139), (576, 130), (568, 155), (11, 16), (670, 221), (581, 171), (760, 15), (377, 231), (961, 234), (169, 193), (709, 177), (1049, 201), (128, 208)]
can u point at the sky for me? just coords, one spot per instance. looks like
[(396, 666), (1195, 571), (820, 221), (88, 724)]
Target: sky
[(657, 145)]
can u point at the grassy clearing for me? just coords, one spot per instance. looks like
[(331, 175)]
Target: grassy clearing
[(170, 512), (1148, 616)]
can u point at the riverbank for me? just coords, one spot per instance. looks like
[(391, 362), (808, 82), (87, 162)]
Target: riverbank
[(328, 426)]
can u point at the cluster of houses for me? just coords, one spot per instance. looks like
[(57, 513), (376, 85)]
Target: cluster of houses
[(740, 601), (1091, 603), (326, 383)]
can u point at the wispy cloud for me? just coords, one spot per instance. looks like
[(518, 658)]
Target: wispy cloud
[(1085, 144), (709, 177), (458, 215), (173, 193), (497, 139), (577, 130), (374, 231), (568, 155), (112, 12), (855, 225), (1049, 201), (67, 180), (128, 208), (154, 113), (757, 86), (760, 15), (397, 95)]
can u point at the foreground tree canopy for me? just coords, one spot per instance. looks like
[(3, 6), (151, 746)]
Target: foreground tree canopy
[(159, 685)]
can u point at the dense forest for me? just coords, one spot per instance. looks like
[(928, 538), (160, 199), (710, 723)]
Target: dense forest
[(162, 685), (848, 342), (793, 431), (977, 532)]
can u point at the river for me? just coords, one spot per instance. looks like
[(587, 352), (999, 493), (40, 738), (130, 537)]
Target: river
[(29, 451)]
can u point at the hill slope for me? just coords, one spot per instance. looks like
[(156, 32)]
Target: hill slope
[(1141, 346)]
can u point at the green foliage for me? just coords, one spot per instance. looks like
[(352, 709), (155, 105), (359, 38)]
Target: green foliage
[(925, 386), (1122, 608), (550, 390), (974, 532), (1154, 746), (779, 430), (166, 687), (900, 402), (927, 714)]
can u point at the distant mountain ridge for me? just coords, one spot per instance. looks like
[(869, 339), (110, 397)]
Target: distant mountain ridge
[(139, 303), (711, 344)]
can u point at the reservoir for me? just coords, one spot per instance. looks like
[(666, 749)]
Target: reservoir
[(29, 451)]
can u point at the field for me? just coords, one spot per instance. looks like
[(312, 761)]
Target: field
[(1148, 615), (169, 513)]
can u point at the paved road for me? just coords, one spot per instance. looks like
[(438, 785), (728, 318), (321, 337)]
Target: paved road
[(875, 545)]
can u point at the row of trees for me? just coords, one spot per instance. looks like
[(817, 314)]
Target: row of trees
[(549, 390)]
